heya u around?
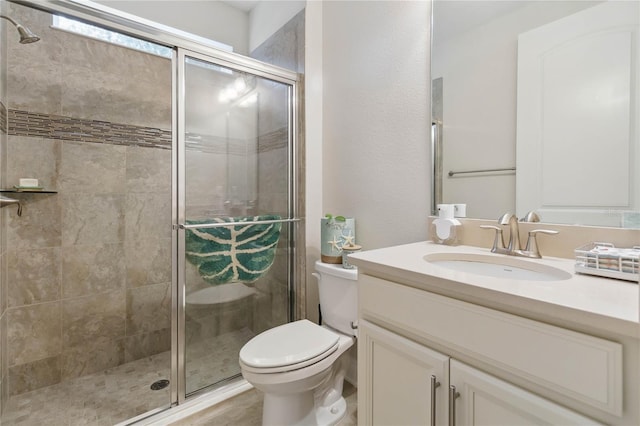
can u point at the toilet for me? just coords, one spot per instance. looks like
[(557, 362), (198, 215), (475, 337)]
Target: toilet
[(300, 366)]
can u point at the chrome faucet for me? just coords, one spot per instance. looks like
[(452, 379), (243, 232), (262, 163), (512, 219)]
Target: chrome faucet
[(513, 248), (514, 232)]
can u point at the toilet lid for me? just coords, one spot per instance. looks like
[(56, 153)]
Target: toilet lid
[(288, 344)]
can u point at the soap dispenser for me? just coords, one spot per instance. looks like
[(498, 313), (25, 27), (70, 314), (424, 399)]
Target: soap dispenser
[(445, 229)]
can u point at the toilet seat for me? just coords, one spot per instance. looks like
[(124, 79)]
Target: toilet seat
[(288, 347)]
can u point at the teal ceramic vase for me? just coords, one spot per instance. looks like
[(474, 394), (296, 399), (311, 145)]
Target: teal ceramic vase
[(334, 234)]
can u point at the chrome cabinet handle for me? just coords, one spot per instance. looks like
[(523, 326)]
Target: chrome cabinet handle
[(434, 385), (452, 405)]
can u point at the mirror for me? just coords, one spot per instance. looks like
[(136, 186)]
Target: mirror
[(535, 108)]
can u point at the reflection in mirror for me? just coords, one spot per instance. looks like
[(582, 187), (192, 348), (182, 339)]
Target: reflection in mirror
[(536, 103)]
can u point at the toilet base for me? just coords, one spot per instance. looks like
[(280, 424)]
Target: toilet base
[(294, 409), (299, 410), (332, 414)]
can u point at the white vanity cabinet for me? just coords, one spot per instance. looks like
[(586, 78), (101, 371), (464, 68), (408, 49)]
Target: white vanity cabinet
[(405, 383), (409, 378), (417, 349), (478, 398)]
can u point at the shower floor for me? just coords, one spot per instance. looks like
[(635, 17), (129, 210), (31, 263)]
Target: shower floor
[(123, 392)]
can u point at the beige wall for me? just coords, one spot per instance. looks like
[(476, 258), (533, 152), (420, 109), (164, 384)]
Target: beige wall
[(375, 118), (374, 74)]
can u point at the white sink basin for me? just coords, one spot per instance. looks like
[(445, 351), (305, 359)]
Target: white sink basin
[(496, 266)]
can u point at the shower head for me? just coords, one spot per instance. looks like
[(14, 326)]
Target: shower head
[(26, 36)]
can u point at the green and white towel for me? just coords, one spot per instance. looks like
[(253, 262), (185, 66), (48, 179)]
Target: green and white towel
[(235, 253)]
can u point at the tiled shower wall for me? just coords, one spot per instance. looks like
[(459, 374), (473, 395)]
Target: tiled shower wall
[(285, 48), (4, 389), (89, 267)]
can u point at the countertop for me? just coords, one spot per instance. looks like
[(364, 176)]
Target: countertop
[(601, 306)]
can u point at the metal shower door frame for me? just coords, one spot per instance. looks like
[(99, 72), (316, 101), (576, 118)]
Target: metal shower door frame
[(179, 191)]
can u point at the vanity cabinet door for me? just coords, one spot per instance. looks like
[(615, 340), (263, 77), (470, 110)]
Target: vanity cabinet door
[(482, 399), (400, 382)]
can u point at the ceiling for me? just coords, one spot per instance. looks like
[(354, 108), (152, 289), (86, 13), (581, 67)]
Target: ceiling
[(244, 5)]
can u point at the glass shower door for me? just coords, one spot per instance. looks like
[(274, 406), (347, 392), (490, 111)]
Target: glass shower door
[(235, 209)]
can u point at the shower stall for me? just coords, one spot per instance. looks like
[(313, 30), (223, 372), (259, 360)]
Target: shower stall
[(162, 232)]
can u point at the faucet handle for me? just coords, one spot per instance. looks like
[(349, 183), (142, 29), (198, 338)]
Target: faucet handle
[(498, 242), (531, 217), (532, 243), (505, 218)]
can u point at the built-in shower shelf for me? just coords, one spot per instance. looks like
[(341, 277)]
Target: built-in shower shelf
[(28, 191)]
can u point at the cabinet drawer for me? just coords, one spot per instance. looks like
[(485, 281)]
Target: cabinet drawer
[(585, 368)]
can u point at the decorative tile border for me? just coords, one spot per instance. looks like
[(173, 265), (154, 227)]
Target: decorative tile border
[(273, 140), (49, 126), (3, 118), (219, 145), (24, 123), (213, 144)]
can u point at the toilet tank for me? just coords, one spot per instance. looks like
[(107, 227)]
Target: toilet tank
[(338, 292)]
